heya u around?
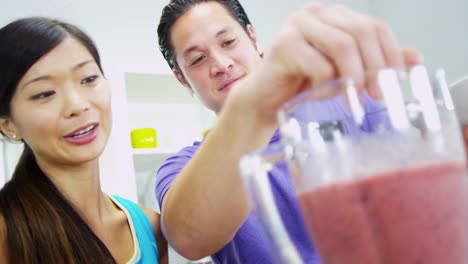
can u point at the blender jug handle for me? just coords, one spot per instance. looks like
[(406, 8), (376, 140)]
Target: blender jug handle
[(254, 169)]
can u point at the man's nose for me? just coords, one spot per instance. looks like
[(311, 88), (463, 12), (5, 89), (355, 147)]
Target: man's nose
[(221, 63)]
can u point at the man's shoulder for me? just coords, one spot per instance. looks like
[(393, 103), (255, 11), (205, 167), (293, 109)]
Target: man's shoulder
[(170, 169), (174, 163), (183, 154), (188, 150)]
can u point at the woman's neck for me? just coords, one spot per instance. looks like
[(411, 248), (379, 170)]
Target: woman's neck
[(81, 186)]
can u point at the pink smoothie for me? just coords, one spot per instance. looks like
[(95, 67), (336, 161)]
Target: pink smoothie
[(414, 215)]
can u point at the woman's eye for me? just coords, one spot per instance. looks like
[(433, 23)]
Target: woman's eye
[(90, 79), (43, 95)]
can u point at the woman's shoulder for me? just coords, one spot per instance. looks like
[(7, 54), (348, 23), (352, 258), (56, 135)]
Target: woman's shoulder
[(153, 217), (161, 242)]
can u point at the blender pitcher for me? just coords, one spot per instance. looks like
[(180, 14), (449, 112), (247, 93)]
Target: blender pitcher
[(377, 181)]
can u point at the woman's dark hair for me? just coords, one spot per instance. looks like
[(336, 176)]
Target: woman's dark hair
[(177, 8), (41, 225)]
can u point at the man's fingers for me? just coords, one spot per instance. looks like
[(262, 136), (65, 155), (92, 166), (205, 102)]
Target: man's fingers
[(390, 46), (362, 29), (338, 46), (411, 56)]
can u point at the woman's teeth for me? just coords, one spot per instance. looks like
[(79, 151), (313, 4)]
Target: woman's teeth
[(84, 131)]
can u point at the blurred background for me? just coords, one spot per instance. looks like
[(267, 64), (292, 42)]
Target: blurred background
[(145, 94)]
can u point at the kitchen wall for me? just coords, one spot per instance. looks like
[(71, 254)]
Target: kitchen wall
[(9, 156), (125, 32), (268, 22), (438, 28)]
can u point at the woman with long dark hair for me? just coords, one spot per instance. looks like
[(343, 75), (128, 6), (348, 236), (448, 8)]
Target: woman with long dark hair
[(55, 100)]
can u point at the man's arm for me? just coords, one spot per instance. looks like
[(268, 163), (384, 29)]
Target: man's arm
[(207, 202)]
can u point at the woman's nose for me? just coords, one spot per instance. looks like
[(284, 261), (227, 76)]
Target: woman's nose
[(75, 102)]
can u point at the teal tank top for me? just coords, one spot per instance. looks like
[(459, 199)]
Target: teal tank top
[(144, 232)]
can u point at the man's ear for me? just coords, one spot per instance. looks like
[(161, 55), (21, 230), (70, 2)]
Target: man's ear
[(182, 80), (253, 38), (9, 129)]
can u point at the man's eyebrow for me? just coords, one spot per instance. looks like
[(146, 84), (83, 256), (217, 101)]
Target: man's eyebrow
[(190, 49), (223, 31)]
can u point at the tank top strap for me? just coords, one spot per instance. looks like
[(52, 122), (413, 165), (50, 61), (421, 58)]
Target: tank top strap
[(143, 229)]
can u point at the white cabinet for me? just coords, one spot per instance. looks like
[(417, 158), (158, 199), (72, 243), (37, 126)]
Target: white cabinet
[(157, 101), (9, 155)]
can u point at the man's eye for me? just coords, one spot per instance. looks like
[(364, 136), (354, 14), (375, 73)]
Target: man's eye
[(197, 61), (229, 42), (90, 79), (43, 95)]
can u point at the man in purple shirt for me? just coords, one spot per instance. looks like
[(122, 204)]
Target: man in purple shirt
[(213, 51)]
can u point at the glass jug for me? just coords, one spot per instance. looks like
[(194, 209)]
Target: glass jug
[(377, 181)]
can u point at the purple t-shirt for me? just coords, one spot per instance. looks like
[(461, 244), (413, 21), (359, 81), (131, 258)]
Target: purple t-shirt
[(250, 244)]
